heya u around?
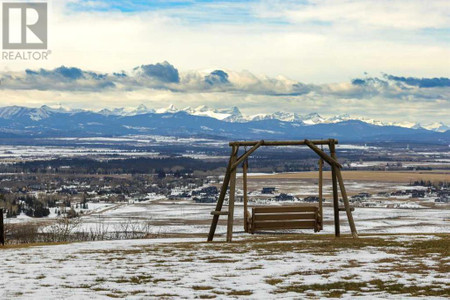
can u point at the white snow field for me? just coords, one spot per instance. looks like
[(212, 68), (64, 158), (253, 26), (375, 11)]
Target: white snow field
[(253, 267), (401, 253)]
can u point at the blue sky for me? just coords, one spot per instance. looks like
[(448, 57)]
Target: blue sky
[(301, 56)]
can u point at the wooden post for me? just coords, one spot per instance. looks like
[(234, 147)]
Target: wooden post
[(346, 204), (244, 183), (2, 228), (337, 230), (223, 191), (231, 197), (321, 192)]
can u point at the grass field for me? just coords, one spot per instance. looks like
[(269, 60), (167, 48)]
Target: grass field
[(378, 176), (256, 267)]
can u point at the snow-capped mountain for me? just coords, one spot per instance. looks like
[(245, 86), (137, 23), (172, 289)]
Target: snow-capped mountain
[(313, 119), (437, 126), (141, 109), (170, 109), (35, 114), (10, 112), (282, 116), (230, 115)]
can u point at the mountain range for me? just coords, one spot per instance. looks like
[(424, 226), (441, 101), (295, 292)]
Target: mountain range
[(234, 115), (45, 121)]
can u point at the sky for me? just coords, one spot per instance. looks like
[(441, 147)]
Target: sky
[(386, 60)]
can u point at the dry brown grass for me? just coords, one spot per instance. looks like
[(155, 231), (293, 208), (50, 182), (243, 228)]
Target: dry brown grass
[(380, 176), (21, 246)]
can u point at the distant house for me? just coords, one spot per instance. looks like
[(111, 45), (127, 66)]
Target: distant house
[(417, 194), (311, 199), (284, 197), (442, 200), (399, 193), (268, 190), (210, 191), (360, 196)]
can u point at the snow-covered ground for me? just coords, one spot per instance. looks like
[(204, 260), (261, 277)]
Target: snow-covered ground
[(389, 260), (257, 267)]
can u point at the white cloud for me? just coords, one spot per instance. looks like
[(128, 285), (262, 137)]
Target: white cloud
[(362, 36)]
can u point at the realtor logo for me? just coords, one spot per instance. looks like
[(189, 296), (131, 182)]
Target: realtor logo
[(24, 25)]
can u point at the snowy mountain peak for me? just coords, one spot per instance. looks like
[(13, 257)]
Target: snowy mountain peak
[(113, 112), (170, 109), (282, 116), (437, 126), (202, 108), (313, 118), (231, 115), (142, 109)]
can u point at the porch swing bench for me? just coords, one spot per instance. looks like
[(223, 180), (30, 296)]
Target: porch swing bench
[(284, 217), (281, 217)]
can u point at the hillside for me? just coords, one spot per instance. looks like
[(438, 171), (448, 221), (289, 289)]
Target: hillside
[(291, 266), (22, 122)]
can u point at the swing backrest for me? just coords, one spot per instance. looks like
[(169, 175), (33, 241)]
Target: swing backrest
[(285, 217)]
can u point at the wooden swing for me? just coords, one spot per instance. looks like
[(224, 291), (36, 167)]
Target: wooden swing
[(301, 216)]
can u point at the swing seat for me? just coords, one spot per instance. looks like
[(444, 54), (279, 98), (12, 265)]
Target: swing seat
[(285, 217)]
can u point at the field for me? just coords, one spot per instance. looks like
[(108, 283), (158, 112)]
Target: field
[(375, 176), (288, 266)]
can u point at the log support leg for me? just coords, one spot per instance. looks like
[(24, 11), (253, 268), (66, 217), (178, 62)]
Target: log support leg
[(346, 204), (244, 183), (321, 192), (2, 228), (223, 191), (232, 197), (337, 230)]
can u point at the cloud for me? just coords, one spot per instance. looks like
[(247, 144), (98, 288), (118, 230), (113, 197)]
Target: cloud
[(299, 39), (62, 72), (399, 87), (217, 77), (163, 72), (61, 78), (159, 76), (370, 14), (421, 82), (165, 77)]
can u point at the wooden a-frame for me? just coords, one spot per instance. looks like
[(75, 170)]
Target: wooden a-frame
[(230, 181)]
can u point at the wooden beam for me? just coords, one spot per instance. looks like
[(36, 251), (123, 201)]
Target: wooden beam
[(220, 213), (244, 186), (280, 143), (284, 216), (284, 209), (322, 154), (348, 209), (343, 208), (303, 224), (246, 155), (2, 228), (321, 192), (223, 191), (337, 230), (231, 197)]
